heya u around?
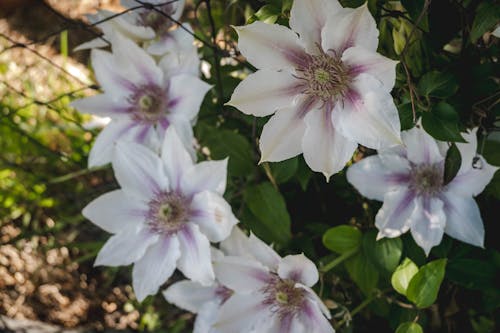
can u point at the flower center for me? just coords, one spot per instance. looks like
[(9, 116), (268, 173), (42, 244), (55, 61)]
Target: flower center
[(283, 297), (427, 179), (151, 18), (325, 77), (168, 212), (148, 103)]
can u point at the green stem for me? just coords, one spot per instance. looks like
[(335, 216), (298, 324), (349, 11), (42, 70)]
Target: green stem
[(338, 260), (360, 307)]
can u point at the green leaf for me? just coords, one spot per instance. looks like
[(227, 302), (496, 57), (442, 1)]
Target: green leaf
[(269, 208), (442, 123), (362, 273), (285, 170), (402, 276), (223, 143), (414, 8), (424, 287), (342, 239), (405, 116), (384, 253), (267, 14), (487, 16), (409, 327), (452, 163), (437, 84), (303, 174)]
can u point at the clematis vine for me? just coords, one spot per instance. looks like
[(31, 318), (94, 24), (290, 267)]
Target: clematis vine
[(324, 82), (154, 26), (165, 215), (269, 293), (410, 182), (142, 98)]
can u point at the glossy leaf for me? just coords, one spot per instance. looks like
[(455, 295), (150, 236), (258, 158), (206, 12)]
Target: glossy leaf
[(384, 253), (362, 272), (409, 327), (424, 286), (437, 84), (402, 276), (342, 239), (442, 123)]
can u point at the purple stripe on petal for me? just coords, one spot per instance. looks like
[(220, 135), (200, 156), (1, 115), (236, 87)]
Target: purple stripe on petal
[(403, 204), (164, 123), (397, 178), (297, 57), (173, 102), (355, 99), (305, 105), (141, 137), (286, 324), (356, 70)]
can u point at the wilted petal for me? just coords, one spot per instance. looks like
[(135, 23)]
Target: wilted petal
[(265, 91), (298, 268), (190, 295), (213, 215), (307, 18), (368, 115), (362, 61), (155, 267), (281, 137), (373, 176), (325, 149), (241, 274), (186, 93), (270, 46), (421, 147), (474, 180), (427, 223), (241, 313), (175, 157), (205, 176), (393, 219), (313, 319), (102, 150), (350, 27), (138, 170), (115, 211), (463, 219), (125, 247), (195, 261)]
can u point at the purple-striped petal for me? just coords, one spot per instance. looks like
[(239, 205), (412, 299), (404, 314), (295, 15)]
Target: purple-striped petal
[(427, 223), (241, 274), (299, 269), (421, 147), (393, 219), (313, 319)]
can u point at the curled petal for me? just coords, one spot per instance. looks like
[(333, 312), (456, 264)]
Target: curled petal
[(474, 180)]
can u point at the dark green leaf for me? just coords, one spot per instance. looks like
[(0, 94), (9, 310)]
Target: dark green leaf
[(405, 116), (437, 84), (487, 16), (362, 272), (342, 239), (472, 273), (442, 123), (285, 170), (409, 327), (424, 287), (384, 253), (268, 206), (403, 275), (452, 163)]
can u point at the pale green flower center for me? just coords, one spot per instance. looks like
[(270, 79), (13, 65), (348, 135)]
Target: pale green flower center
[(427, 179), (168, 212), (283, 297), (148, 103)]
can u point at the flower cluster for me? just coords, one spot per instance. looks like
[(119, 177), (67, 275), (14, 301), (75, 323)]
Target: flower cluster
[(327, 90)]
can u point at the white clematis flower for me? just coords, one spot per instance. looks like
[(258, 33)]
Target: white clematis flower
[(327, 87), (410, 183), (269, 293), (165, 214), (142, 99), (153, 27)]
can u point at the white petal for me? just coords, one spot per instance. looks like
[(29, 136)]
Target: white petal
[(138, 170), (299, 269), (175, 157), (155, 267), (243, 275), (362, 61), (269, 46), (101, 105), (373, 176), (263, 252), (125, 25), (313, 319), (368, 115), (282, 135), (181, 54), (307, 18), (112, 79), (205, 176), (393, 219), (186, 93), (125, 247), (102, 149), (207, 316), (473, 181), (350, 27), (235, 244), (311, 294), (190, 295), (240, 313), (265, 91), (421, 147), (213, 215), (428, 222), (325, 149), (463, 219), (195, 261), (115, 211), (95, 43), (184, 130)]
